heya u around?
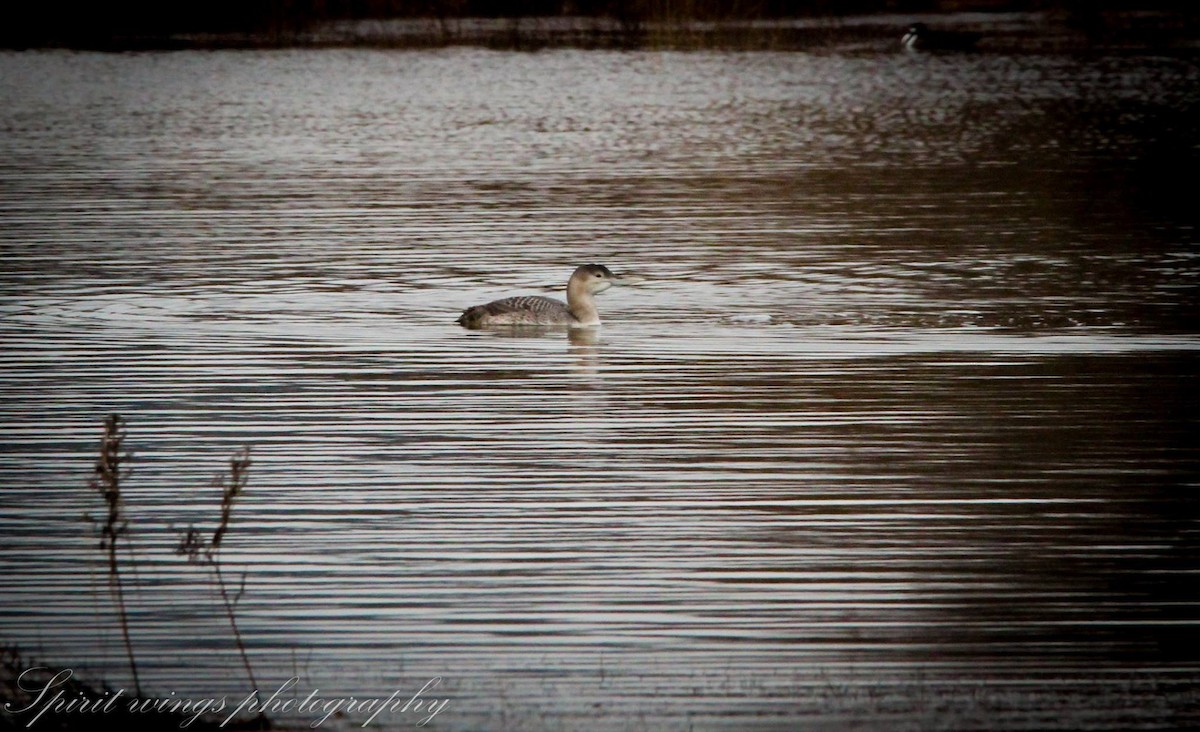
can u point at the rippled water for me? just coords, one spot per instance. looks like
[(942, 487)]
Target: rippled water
[(891, 422)]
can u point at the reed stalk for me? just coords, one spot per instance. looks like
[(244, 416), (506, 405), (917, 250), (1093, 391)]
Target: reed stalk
[(106, 480), (208, 552)]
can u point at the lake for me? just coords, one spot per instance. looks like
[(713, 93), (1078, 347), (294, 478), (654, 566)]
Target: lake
[(891, 422)]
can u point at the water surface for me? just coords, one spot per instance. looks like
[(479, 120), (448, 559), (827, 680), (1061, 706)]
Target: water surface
[(891, 422)]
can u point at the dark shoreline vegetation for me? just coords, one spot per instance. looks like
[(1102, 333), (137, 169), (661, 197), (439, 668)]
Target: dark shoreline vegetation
[(34, 694), (1013, 25)]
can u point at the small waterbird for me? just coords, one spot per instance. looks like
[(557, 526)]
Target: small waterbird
[(921, 37), (579, 311)]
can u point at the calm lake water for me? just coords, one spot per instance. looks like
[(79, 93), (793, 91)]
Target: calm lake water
[(891, 424)]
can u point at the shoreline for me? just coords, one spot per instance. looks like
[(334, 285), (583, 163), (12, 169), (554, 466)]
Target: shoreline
[(1003, 32)]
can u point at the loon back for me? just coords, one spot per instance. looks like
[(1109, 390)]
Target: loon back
[(523, 310)]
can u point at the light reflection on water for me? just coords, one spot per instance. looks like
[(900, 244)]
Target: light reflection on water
[(890, 422)]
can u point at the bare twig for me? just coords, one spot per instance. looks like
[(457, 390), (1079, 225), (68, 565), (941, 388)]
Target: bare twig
[(107, 482), (198, 551)]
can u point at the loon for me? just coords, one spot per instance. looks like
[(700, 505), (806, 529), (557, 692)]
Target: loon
[(921, 37), (578, 312)]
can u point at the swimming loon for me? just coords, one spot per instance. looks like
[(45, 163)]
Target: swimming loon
[(578, 312), (921, 37)]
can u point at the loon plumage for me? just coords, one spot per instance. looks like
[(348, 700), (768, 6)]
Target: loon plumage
[(578, 311)]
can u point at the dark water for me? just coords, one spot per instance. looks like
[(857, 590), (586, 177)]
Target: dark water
[(891, 423)]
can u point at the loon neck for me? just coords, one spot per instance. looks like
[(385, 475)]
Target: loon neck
[(581, 304)]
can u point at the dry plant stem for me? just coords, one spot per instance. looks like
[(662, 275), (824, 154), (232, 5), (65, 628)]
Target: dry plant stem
[(237, 635), (239, 466), (207, 552), (108, 482)]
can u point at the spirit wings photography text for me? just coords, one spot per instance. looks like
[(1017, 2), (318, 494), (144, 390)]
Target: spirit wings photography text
[(54, 698)]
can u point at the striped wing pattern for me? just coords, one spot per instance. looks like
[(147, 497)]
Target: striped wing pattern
[(523, 310)]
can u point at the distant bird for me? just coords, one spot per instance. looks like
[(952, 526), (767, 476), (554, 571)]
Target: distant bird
[(579, 311), (921, 37)]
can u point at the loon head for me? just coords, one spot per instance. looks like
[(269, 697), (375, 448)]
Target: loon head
[(594, 278)]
